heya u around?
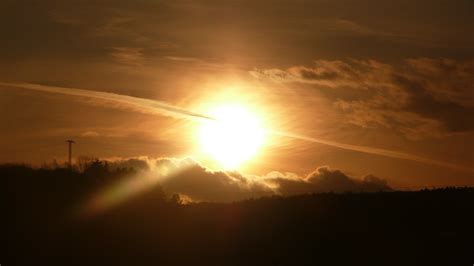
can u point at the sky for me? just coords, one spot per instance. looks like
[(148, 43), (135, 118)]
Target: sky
[(381, 74)]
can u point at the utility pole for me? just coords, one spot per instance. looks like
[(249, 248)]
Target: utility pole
[(70, 142)]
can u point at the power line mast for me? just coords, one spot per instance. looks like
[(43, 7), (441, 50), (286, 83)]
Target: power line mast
[(70, 142)]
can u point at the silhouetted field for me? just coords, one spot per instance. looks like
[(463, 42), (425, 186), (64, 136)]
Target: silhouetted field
[(41, 226)]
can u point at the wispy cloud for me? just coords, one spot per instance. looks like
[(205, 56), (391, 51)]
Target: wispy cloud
[(422, 97), (182, 59), (128, 55), (140, 104), (90, 134)]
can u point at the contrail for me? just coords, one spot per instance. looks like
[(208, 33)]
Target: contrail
[(147, 104), (375, 151), (171, 110)]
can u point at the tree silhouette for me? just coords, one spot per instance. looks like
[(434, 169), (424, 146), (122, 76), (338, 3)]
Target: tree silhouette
[(389, 228)]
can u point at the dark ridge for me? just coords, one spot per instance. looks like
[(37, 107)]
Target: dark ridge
[(40, 226)]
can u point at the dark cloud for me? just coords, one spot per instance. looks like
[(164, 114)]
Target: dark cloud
[(421, 97), (454, 116), (199, 183), (189, 178), (311, 75), (324, 179), (210, 28)]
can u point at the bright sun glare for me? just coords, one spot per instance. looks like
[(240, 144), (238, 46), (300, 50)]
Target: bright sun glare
[(235, 136)]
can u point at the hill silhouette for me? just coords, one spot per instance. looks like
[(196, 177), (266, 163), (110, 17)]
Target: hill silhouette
[(42, 226)]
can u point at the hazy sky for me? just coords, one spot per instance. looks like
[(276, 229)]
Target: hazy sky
[(397, 75)]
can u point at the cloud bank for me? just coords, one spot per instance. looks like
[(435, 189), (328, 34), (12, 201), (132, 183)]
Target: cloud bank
[(193, 180)]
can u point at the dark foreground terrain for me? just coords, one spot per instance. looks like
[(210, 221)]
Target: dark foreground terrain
[(40, 226)]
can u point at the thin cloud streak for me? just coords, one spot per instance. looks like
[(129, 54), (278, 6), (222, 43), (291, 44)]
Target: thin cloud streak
[(173, 111), (377, 151), (146, 104)]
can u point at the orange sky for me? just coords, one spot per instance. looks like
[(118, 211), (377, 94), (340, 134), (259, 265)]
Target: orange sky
[(389, 75)]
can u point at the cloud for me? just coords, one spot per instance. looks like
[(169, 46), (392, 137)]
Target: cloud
[(90, 134), (135, 103), (326, 73), (195, 181), (182, 59), (324, 179), (422, 97), (128, 56), (445, 79)]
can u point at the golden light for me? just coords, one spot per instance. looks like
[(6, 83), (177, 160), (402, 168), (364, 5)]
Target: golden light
[(234, 138)]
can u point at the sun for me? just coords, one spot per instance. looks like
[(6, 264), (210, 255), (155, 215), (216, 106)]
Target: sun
[(234, 137)]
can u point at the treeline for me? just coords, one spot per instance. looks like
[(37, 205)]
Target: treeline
[(41, 225)]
